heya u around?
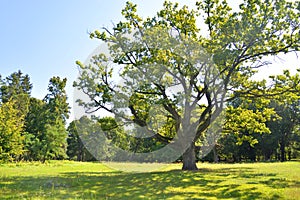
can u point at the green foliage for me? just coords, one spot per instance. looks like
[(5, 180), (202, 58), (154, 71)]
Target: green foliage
[(14, 85), (76, 149), (246, 117), (56, 99), (285, 129), (248, 144), (53, 143), (17, 88), (11, 127), (46, 136), (168, 50), (53, 136), (34, 126), (212, 65), (14, 97), (32, 129)]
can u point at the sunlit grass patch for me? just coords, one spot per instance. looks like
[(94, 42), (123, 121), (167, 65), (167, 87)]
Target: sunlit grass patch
[(77, 180)]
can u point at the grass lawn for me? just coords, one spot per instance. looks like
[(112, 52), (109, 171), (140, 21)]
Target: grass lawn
[(75, 180)]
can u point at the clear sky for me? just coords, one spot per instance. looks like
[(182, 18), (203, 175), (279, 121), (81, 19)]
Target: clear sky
[(45, 38)]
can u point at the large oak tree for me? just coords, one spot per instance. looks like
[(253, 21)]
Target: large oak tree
[(187, 64)]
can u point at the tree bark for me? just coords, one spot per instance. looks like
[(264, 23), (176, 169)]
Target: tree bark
[(189, 158), (267, 156), (216, 157), (282, 151)]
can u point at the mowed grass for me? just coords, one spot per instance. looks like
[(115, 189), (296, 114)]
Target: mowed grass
[(75, 180)]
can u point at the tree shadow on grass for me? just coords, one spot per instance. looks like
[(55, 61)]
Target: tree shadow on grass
[(175, 184)]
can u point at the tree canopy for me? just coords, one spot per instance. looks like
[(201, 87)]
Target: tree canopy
[(30, 128), (180, 85), (174, 70)]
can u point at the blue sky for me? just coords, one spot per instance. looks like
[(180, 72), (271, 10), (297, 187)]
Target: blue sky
[(45, 38)]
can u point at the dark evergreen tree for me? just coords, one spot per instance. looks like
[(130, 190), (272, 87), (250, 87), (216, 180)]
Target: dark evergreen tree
[(76, 149), (46, 136)]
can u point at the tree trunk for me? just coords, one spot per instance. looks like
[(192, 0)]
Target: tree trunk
[(216, 157), (189, 158), (282, 151), (289, 154), (267, 156), (44, 155)]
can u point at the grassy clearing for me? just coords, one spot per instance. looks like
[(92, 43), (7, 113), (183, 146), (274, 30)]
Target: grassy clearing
[(74, 180)]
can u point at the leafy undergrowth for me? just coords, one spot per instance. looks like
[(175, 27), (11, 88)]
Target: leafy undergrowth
[(75, 180)]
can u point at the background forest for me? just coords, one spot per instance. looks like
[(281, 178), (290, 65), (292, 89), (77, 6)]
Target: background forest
[(34, 129)]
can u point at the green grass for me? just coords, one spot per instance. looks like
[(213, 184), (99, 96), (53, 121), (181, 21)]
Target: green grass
[(74, 180)]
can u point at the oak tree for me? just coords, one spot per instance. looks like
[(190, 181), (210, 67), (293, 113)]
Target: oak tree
[(184, 64)]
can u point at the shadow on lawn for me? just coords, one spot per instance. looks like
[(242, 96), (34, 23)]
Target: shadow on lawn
[(175, 184)]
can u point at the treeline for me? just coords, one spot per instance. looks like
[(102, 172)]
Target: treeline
[(280, 140), (31, 128), (34, 129), (271, 136)]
